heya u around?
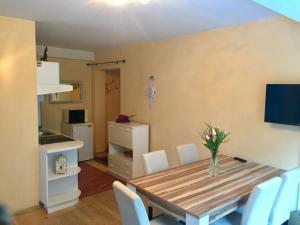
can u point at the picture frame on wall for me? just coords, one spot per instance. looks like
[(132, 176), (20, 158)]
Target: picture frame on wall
[(75, 96)]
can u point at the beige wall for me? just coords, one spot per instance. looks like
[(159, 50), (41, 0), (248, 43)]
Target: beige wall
[(99, 110), (73, 70), (218, 77), (19, 123)]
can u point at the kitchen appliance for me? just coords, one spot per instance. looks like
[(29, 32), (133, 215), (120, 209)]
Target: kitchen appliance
[(83, 132), (48, 79), (48, 137), (73, 116)]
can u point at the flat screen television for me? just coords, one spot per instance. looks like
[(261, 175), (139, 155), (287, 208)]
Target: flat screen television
[(283, 104)]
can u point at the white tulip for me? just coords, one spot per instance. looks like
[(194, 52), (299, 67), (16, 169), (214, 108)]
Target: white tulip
[(214, 133), (207, 137)]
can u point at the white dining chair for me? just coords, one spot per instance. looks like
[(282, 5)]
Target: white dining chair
[(132, 209), (156, 161), (258, 206), (187, 154), (287, 199)]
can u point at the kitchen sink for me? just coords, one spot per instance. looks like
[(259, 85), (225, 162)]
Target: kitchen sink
[(48, 137)]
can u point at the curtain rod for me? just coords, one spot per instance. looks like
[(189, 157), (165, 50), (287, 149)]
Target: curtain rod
[(109, 62)]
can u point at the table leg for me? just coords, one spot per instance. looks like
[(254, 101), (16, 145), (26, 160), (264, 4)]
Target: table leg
[(194, 220), (298, 206), (131, 187)]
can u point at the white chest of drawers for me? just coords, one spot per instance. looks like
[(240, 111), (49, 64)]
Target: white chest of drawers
[(127, 143)]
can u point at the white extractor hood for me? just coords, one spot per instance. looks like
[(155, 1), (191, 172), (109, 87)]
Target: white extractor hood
[(48, 79)]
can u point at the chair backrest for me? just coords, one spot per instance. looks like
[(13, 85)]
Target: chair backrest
[(187, 153), (130, 205), (155, 161), (287, 198), (260, 202)]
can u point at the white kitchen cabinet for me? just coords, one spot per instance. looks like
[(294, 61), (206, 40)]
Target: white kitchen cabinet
[(48, 79), (82, 132), (58, 191), (47, 72), (127, 143)]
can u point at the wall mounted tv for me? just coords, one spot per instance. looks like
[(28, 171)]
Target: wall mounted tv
[(283, 104)]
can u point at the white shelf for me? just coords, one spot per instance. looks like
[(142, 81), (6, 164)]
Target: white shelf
[(62, 198), (58, 191), (71, 171), (122, 156)]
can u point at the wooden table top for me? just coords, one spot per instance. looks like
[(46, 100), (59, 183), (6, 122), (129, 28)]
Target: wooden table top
[(190, 189)]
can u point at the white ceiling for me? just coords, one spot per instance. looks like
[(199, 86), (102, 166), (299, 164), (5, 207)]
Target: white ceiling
[(92, 24)]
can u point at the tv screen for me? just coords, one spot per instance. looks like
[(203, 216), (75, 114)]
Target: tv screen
[(283, 104)]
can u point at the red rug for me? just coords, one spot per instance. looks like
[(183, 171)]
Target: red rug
[(92, 180)]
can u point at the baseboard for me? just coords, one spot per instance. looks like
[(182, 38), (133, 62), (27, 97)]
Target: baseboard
[(25, 210)]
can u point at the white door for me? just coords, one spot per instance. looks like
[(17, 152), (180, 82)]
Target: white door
[(84, 133)]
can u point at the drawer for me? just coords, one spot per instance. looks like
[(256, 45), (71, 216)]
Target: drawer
[(120, 166), (119, 161), (120, 135)]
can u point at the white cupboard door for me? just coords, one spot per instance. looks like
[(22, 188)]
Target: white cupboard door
[(84, 133)]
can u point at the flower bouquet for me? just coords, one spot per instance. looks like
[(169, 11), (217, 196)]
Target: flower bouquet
[(212, 138)]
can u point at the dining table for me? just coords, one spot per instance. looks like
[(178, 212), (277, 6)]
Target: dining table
[(196, 197)]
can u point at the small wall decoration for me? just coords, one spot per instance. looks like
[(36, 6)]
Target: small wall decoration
[(111, 86), (61, 164), (151, 91), (45, 56)]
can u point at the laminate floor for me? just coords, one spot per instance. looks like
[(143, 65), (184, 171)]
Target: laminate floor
[(98, 209)]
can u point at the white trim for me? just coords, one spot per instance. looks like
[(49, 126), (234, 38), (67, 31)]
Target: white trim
[(166, 211), (66, 53), (62, 206), (193, 220)]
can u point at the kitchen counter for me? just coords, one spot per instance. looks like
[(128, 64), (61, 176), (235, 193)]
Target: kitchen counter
[(58, 142), (58, 191), (62, 146)]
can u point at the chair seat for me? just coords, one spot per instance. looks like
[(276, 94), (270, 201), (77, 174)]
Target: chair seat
[(164, 220), (231, 219)]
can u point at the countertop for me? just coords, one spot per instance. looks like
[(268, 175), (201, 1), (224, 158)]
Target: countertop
[(61, 146)]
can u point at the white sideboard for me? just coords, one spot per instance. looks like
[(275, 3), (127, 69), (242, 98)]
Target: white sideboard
[(58, 191), (127, 143)]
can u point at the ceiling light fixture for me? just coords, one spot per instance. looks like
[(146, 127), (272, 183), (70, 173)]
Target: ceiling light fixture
[(125, 2)]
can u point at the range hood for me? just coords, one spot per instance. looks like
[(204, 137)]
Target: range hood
[(48, 79)]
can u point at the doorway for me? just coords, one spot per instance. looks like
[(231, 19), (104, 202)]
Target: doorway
[(106, 108), (112, 99)]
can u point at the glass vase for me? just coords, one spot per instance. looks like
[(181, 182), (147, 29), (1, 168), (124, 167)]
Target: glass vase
[(214, 167)]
